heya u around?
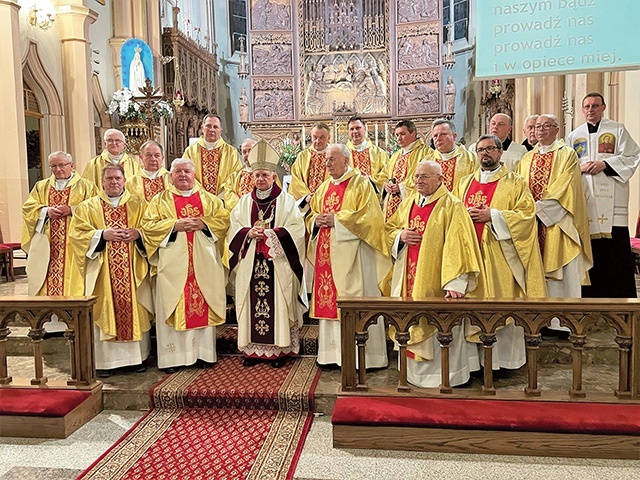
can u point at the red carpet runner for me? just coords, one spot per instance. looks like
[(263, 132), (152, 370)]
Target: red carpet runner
[(225, 422)]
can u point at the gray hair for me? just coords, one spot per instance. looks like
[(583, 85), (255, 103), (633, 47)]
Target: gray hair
[(248, 140), (60, 153), (148, 143), (444, 121), (342, 148), (431, 163), (109, 131), (551, 116), (531, 117), (183, 161)]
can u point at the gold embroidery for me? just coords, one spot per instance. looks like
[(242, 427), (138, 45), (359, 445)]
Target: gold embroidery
[(448, 171), (58, 242), (209, 167), (262, 309), (361, 161), (196, 306), (331, 202), (262, 288), (477, 199), (418, 224), (326, 297), (261, 270), (190, 211), (317, 171)]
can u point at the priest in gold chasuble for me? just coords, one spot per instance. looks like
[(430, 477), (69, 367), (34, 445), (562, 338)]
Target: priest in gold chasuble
[(266, 243), (436, 254), (113, 154), (153, 178), (241, 182), (309, 170), (504, 216), (347, 248), (552, 171), (397, 176), (456, 161), (366, 157), (104, 233), (215, 159), (184, 230)]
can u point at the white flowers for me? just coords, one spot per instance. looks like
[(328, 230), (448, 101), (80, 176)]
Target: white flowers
[(127, 108)]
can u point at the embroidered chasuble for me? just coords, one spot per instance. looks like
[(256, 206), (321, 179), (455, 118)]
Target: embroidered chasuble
[(400, 174), (245, 183), (539, 174), (196, 310), (317, 171), (361, 161), (418, 219), (448, 171), (58, 242), (325, 293), (209, 168), (479, 194), (307, 173), (151, 187)]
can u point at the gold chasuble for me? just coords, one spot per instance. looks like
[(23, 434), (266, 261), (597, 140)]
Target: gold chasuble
[(49, 261), (191, 278), (336, 253), (213, 167), (555, 175), (117, 275), (93, 170), (512, 265), (369, 161), (448, 250), (147, 188), (401, 168), (307, 173), (238, 184), (456, 165)]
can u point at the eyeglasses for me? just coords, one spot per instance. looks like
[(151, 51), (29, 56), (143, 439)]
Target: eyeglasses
[(545, 126), (490, 149), (112, 140), (423, 176), (59, 165)]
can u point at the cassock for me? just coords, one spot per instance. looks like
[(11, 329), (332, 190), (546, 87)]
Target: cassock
[(401, 168), (350, 259), (117, 273), (147, 185), (93, 170), (607, 196), (509, 247), (270, 295), (447, 258), (456, 165), (369, 160), (214, 163), (554, 179), (191, 278), (307, 173)]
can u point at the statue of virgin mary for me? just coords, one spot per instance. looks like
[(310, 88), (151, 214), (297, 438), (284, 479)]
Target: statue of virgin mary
[(136, 73)]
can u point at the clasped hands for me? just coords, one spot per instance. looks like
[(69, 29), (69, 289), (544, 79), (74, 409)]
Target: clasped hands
[(593, 167), (480, 214), (115, 234), (392, 188), (189, 224), (325, 220), (257, 233), (59, 212)]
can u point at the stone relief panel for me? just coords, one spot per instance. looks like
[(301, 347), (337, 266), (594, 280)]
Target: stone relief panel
[(271, 55), (418, 46), (271, 15), (359, 81), (272, 99), (417, 10), (419, 93)]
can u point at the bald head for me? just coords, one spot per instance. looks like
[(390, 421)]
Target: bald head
[(245, 148), (500, 126)]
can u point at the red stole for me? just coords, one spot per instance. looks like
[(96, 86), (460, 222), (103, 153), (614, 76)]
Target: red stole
[(245, 183), (399, 173), (196, 310), (325, 293), (361, 161), (448, 171), (539, 174), (418, 218), (152, 187), (479, 194), (209, 167), (120, 272), (58, 242), (317, 170)]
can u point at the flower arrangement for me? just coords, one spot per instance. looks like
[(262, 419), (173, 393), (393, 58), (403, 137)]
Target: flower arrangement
[(289, 153), (123, 104), (392, 145)]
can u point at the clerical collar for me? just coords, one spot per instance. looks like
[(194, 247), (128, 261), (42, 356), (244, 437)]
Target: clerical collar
[(318, 151), (593, 128), (487, 175), (209, 145), (423, 200), (547, 148), (115, 159), (62, 184), (185, 193), (114, 201), (360, 147), (409, 147), (262, 194), (450, 155), (337, 181), (151, 175)]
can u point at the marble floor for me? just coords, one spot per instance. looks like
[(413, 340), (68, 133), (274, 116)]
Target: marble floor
[(46, 459)]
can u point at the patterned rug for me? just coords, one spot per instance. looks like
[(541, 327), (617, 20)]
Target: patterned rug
[(225, 422)]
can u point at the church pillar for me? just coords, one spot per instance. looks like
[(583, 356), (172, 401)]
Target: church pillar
[(629, 114), (14, 185), (74, 23), (122, 14)]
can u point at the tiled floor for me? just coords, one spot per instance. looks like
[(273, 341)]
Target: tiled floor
[(43, 459)]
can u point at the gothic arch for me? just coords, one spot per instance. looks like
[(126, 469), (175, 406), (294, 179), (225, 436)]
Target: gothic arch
[(38, 80)]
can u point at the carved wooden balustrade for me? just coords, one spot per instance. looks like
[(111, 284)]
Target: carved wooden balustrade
[(76, 312), (622, 315)]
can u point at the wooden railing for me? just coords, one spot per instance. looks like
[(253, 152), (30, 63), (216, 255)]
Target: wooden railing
[(76, 312), (622, 315)]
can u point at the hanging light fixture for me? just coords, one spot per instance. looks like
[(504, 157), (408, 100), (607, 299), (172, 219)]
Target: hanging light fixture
[(41, 19)]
